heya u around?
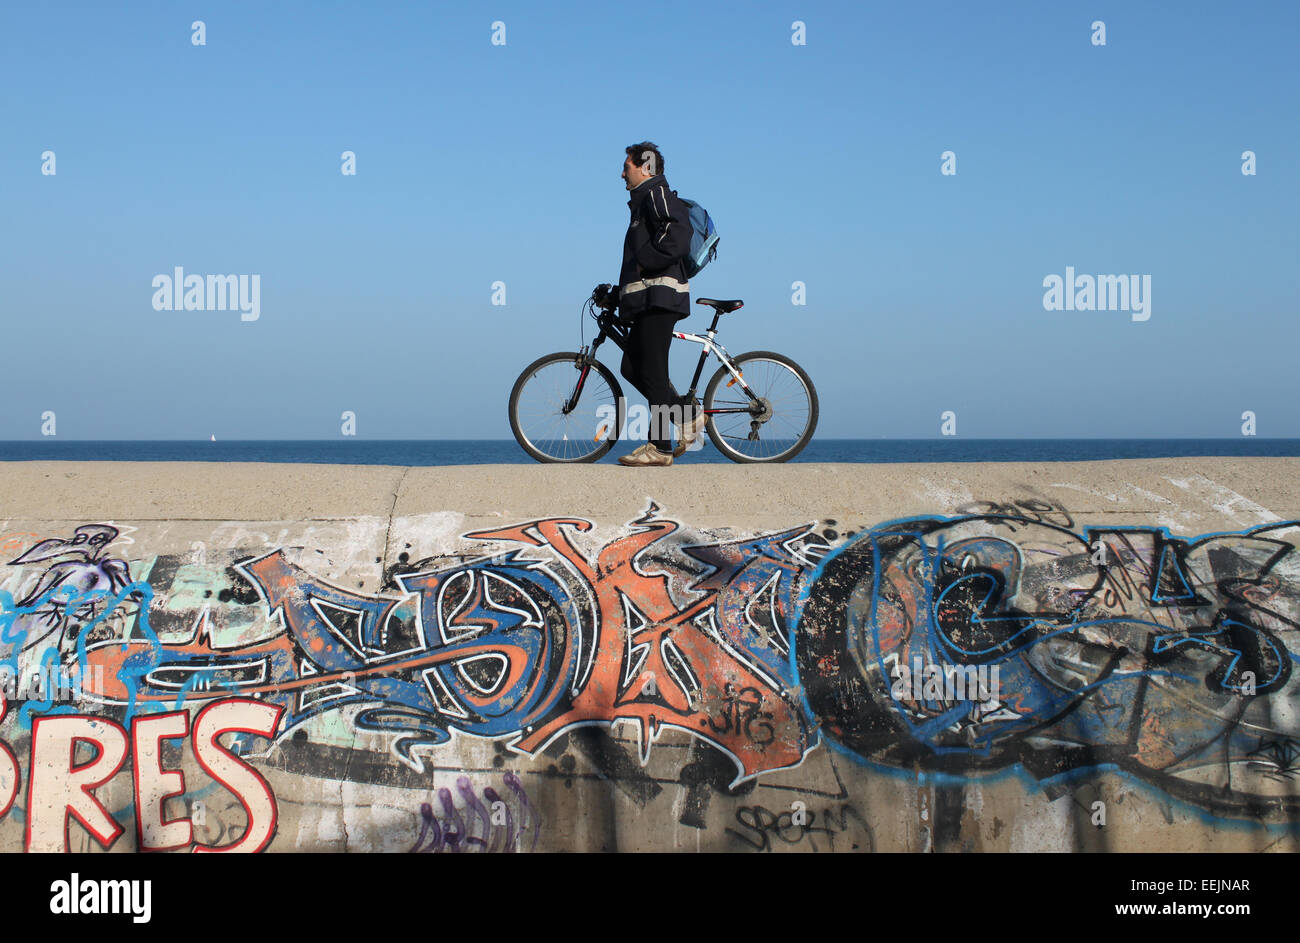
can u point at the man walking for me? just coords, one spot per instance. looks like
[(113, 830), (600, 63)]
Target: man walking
[(654, 294)]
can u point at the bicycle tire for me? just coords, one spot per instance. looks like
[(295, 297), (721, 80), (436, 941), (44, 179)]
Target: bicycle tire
[(548, 448), (724, 428)]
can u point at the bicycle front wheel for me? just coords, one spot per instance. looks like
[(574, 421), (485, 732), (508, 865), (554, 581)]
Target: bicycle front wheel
[(563, 412), (778, 425)]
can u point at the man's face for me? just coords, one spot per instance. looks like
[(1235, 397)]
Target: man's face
[(633, 176)]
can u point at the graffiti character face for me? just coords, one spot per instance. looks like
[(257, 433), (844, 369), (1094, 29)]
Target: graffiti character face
[(87, 541)]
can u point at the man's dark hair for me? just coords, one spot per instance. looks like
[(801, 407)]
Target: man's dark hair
[(639, 153)]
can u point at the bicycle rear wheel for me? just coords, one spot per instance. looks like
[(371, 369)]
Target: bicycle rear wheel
[(538, 418), (779, 427)]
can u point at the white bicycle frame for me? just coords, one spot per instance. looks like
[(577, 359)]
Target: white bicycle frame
[(706, 340)]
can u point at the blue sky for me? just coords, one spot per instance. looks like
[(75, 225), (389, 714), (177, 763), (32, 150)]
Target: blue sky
[(479, 163)]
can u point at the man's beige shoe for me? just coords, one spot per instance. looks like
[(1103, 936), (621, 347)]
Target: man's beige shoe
[(688, 432), (647, 454)]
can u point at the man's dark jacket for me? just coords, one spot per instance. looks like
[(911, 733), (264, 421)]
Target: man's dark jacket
[(658, 239)]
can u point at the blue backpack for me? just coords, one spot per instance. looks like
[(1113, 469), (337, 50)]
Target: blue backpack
[(704, 238)]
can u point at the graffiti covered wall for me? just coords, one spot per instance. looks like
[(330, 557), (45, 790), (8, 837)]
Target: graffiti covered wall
[(1000, 678)]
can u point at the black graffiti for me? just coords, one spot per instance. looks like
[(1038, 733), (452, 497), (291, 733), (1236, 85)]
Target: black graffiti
[(740, 711), (1277, 759), (709, 771), (764, 829), (1042, 510), (1125, 646)]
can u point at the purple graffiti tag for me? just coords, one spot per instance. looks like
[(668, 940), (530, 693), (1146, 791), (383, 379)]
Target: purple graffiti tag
[(430, 823), (455, 830), (526, 809)]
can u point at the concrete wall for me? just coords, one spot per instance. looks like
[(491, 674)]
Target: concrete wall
[(1093, 656)]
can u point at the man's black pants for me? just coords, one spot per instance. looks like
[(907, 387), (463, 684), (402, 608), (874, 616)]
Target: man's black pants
[(645, 366)]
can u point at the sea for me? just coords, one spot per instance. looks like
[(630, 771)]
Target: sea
[(353, 451)]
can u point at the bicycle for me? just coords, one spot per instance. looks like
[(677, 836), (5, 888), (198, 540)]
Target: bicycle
[(568, 407)]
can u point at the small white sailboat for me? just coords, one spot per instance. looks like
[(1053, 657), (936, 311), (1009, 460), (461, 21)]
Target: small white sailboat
[(212, 438)]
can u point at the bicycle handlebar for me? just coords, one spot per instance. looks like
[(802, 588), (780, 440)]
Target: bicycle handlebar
[(603, 296)]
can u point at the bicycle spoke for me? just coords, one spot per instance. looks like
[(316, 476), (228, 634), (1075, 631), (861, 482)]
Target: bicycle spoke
[(538, 411), (788, 404)]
